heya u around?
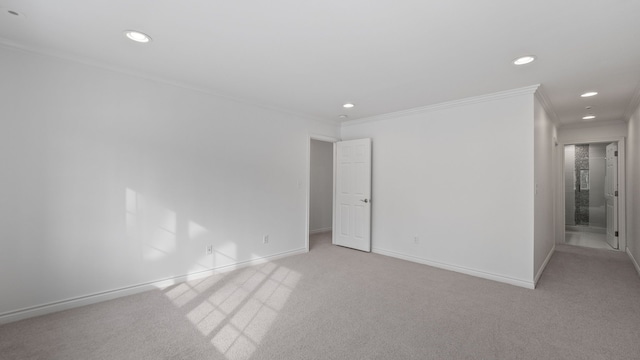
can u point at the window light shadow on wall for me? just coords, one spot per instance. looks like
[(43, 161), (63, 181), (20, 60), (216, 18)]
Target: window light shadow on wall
[(233, 311), (224, 253), (162, 232), (156, 225)]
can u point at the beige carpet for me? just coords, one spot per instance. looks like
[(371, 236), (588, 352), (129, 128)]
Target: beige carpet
[(336, 303)]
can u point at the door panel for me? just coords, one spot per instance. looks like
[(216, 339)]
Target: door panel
[(344, 220), (611, 199), (353, 194)]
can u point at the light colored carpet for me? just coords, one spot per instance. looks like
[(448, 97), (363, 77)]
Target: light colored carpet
[(336, 303)]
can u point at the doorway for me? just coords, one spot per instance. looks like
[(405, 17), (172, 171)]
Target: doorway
[(591, 190), (320, 194)]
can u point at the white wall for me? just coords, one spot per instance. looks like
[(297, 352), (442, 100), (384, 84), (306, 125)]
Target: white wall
[(586, 133), (321, 188), (544, 152), (459, 177), (109, 180), (633, 188)]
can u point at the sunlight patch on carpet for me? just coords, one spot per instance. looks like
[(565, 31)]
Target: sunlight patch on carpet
[(238, 315)]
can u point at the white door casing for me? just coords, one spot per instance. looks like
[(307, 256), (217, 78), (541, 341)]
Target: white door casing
[(611, 198), (352, 213)]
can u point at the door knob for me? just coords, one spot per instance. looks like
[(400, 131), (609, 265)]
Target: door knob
[(365, 200)]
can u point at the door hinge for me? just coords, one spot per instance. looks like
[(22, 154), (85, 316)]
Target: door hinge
[(615, 153), (616, 235), (616, 193)]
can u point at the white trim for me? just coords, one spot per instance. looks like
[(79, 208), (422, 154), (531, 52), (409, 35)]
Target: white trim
[(544, 265), (446, 105), (318, 231), (459, 269), (633, 104), (84, 300), (141, 75), (622, 190), (334, 211), (633, 260), (546, 104), (308, 198), (323, 138)]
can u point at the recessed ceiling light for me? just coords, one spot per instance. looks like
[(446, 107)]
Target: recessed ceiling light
[(13, 13), (588, 117), (137, 36), (589, 94), (343, 116), (523, 60), (348, 105)]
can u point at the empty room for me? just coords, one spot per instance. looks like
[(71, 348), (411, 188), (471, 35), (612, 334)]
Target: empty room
[(319, 180)]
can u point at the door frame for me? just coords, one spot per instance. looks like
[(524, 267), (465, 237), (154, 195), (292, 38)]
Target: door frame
[(622, 179), (328, 139)]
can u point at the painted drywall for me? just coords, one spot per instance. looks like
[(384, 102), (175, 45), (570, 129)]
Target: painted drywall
[(321, 186), (597, 168), (570, 184), (460, 178), (544, 218), (587, 133), (633, 188), (110, 180)]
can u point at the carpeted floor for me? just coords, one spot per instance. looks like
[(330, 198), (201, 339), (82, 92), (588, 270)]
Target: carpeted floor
[(336, 303)]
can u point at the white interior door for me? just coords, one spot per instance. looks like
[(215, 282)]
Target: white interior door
[(352, 227), (611, 194)]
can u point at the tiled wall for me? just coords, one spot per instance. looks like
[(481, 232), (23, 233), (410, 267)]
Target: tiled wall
[(582, 195)]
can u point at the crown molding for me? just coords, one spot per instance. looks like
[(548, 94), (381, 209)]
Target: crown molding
[(446, 105), (542, 97), (634, 103), (8, 44)]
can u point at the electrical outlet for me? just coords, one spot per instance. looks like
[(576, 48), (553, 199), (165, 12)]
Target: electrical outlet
[(416, 240), (209, 249), (265, 239)]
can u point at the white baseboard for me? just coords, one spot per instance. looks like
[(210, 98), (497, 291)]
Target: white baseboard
[(71, 303), (544, 265), (634, 261), (318, 231), (476, 273)]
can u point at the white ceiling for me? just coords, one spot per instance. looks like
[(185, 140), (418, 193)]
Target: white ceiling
[(309, 57)]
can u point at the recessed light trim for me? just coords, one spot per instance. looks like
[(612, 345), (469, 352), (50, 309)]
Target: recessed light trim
[(524, 60), (588, 117), (12, 13), (589, 94), (137, 36), (348, 105)]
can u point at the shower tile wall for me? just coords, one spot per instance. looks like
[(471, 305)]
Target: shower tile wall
[(569, 185), (582, 196)]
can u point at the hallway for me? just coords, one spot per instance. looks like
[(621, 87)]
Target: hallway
[(587, 239)]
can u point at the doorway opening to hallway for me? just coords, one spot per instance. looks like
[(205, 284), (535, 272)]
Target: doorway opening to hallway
[(321, 193), (591, 195)]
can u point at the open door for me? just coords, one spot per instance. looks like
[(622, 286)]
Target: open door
[(352, 214), (611, 194)]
